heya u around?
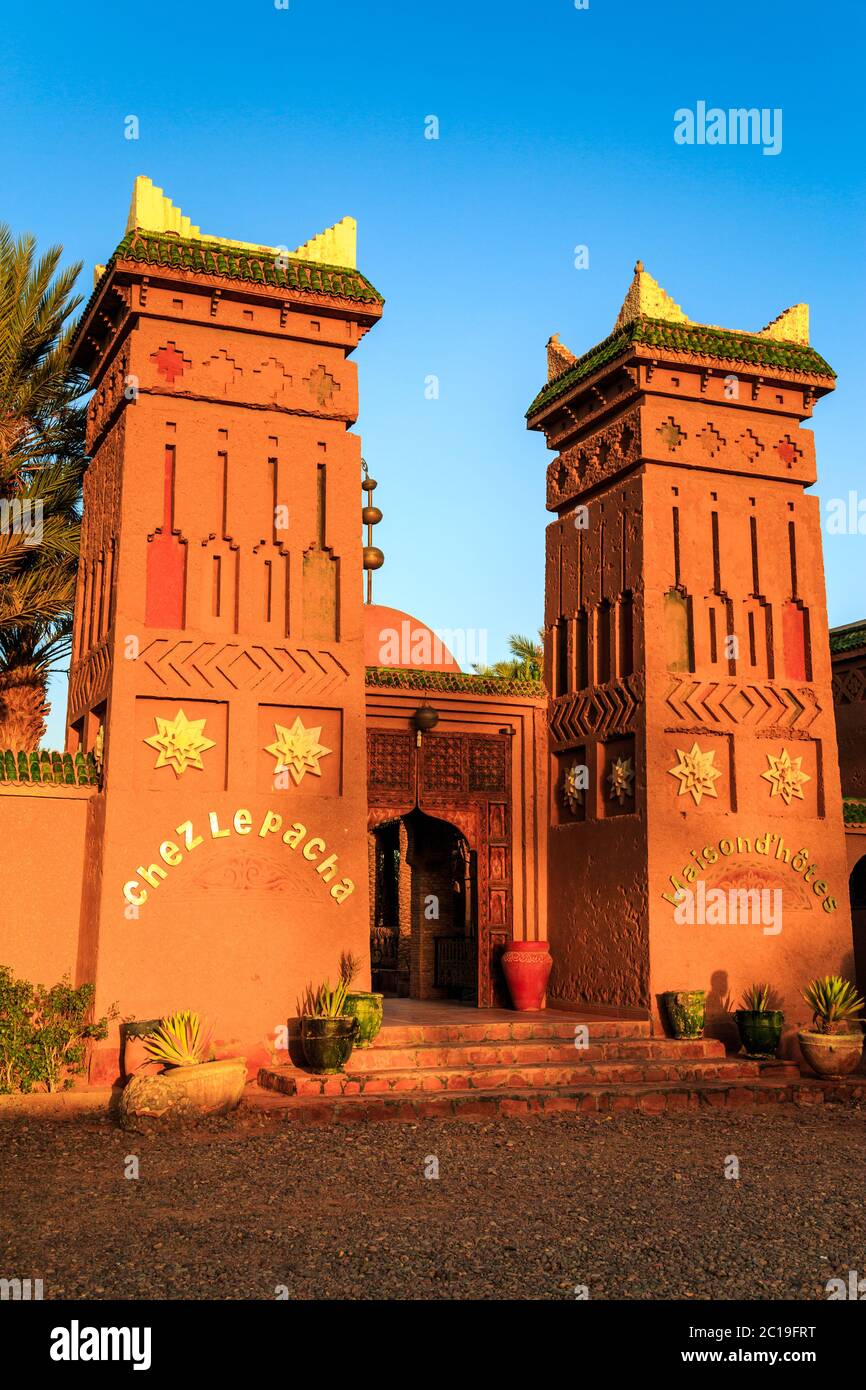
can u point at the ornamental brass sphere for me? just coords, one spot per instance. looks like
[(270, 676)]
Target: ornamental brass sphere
[(425, 718), (371, 516), (369, 485), (374, 559)]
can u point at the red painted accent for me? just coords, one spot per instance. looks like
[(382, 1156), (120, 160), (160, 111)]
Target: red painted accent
[(169, 362), (166, 563), (527, 966)]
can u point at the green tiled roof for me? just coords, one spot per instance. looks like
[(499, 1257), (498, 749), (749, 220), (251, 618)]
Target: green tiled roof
[(854, 810), (405, 678), (213, 258), (41, 766), (848, 639), (686, 337)]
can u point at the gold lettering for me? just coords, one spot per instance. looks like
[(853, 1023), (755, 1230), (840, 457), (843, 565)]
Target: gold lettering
[(186, 831), (294, 835), (316, 844), (132, 896), (169, 853), (152, 874), (271, 822), (242, 822), (216, 833), (341, 890)]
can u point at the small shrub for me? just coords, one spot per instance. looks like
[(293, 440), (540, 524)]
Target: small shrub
[(44, 1033)]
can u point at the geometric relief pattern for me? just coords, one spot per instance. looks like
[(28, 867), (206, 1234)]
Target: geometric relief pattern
[(271, 670), (729, 702), (389, 761), (849, 687), (606, 709), (88, 680), (598, 456)]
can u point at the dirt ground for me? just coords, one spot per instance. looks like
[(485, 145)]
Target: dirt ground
[(631, 1206)]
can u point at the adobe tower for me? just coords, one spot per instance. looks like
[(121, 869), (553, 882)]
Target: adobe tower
[(217, 661), (692, 739)]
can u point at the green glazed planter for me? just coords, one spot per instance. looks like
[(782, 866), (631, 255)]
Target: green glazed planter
[(367, 1009), (686, 1009), (327, 1042), (760, 1031)]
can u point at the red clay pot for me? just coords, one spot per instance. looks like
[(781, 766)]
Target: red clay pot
[(527, 966)]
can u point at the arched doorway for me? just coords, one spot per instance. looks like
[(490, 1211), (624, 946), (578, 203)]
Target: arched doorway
[(424, 910), (857, 886)]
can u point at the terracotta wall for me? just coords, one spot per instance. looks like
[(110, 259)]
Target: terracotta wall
[(43, 831)]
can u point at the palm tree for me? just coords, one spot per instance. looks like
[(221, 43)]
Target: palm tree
[(527, 660), (41, 467)]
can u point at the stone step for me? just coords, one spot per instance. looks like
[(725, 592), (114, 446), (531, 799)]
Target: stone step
[(394, 1057), (532, 1076), (548, 1026), (591, 1098)]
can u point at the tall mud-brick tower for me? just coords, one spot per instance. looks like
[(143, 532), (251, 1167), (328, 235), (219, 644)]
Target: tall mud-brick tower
[(692, 741), (217, 662)]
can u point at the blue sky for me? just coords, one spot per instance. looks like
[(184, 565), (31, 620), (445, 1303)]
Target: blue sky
[(556, 130)]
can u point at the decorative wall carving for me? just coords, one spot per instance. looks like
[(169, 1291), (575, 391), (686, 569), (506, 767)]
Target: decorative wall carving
[(763, 706), (220, 666), (596, 457), (603, 710)]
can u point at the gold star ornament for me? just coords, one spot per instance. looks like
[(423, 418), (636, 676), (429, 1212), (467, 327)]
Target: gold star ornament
[(180, 742), (696, 773), (297, 750), (573, 786), (786, 777), (621, 779)]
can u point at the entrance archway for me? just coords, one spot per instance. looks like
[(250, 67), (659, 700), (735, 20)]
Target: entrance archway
[(424, 910)]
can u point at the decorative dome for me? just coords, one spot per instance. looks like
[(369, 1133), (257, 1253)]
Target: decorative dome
[(394, 638)]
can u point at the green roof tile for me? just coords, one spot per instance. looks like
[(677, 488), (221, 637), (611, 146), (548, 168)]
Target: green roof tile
[(848, 639), (854, 810), (405, 678), (696, 338)]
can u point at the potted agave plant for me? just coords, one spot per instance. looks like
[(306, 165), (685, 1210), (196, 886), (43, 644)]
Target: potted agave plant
[(364, 1005), (834, 1045), (759, 1025), (327, 1028), (188, 1084), (181, 1044)]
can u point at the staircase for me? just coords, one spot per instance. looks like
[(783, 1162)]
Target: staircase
[(487, 1063)]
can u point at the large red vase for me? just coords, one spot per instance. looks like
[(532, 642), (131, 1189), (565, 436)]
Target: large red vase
[(527, 966)]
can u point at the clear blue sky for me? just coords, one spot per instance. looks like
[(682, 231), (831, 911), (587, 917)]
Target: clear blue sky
[(556, 129)]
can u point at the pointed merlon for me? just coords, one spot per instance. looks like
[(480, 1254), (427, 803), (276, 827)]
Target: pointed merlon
[(790, 327), (151, 211), (559, 358), (334, 246), (647, 299)]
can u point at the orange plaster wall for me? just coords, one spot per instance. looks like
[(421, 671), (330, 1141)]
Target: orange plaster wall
[(43, 834)]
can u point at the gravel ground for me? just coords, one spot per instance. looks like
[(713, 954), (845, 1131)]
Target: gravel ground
[(631, 1206)]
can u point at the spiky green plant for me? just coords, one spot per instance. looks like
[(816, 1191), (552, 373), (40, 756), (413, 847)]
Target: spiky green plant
[(178, 1041), (834, 1003), (756, 999), (350, 967), (323, 1002)]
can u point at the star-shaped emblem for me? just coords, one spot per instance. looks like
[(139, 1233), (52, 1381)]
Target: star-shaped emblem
[(786, 776), (696, 773), (573, 786), (297, 750), (180, 742), (621, 779)]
